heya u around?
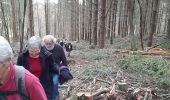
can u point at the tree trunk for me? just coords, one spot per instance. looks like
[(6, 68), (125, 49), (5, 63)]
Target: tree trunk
[(109, 25), (90, 22), (14, 21), (95, 20), (153, 22), (125, 26), (78, 18), (22, 24), (131, 25), (141, 26), (83, 19), (168, 29), (114, 18), (47, 23), (120, 17), (72, 19), (39, 21), (168, 25), (4, 22), (102, 24), (31, 19)]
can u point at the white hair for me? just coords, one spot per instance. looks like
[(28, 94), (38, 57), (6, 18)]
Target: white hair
[(5, 50), (34, 42), (49, 37)]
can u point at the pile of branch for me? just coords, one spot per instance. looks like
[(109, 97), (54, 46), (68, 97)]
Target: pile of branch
[(153, 51), (146, 51), (118, 91)]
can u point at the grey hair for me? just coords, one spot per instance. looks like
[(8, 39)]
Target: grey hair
[(34, 42), (5, 50), (49, 37)]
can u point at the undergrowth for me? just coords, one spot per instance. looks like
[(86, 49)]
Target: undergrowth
[(153, 66), (95, 54), (102, 72), (166, 45)]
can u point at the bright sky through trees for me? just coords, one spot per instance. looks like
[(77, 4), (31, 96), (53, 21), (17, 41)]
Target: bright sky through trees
[(42, 1), (55, 1)]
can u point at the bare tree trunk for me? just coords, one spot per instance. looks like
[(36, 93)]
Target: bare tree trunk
[(90, 22), (83, 19), (31, 18), (160, 19), (47, 17), (131, 4), (75, 20), (109, 25), (102, 24), (39, 21), (114, 18), (59, 20), (95, 20), (125, 32), (168, 29), (21, 23), (120, 17), (153, 21), (4, 22), (55, 21), (141, 26), (78, 17), (72, 20), (168, 25), (14, 21)]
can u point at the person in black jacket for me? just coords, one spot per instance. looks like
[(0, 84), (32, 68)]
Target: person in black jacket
[(59, 58), (40, 63), (69, 48)]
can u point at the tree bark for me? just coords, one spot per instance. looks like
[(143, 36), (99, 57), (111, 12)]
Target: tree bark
[(14, 21), (168, 18), (31, 19), (131, 24), (83, 19), (95, 20), (102, 24), (90, 22), (4, 22), (47, 23), (153, 21)]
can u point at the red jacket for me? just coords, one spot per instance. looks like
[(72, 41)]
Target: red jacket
[(33, 86)]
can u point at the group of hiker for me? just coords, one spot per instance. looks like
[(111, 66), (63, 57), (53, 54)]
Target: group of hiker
[(39, 69), (67, 45)]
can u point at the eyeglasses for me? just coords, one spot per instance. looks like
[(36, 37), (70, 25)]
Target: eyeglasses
[(34, 51)]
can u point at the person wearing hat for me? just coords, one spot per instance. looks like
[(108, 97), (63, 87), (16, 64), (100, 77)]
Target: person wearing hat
[(9, 72), (40, 63)]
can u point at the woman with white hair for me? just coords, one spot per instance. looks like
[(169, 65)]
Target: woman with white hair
[(30, 89), (40, 63)]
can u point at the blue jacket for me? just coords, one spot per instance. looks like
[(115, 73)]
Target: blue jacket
[(48, 68)]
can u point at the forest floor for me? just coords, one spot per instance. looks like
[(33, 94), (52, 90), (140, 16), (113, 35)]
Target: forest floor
[(104, 75)]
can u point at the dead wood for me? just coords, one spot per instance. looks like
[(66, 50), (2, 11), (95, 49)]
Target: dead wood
[(103, 81)]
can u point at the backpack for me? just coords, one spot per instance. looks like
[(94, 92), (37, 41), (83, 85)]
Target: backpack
[(20, 85)]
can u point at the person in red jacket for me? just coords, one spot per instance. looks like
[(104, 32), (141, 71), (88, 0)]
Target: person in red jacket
[(8, 85)]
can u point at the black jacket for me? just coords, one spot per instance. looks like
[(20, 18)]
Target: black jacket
[(47, 64), (59, 55), (68, 47)]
